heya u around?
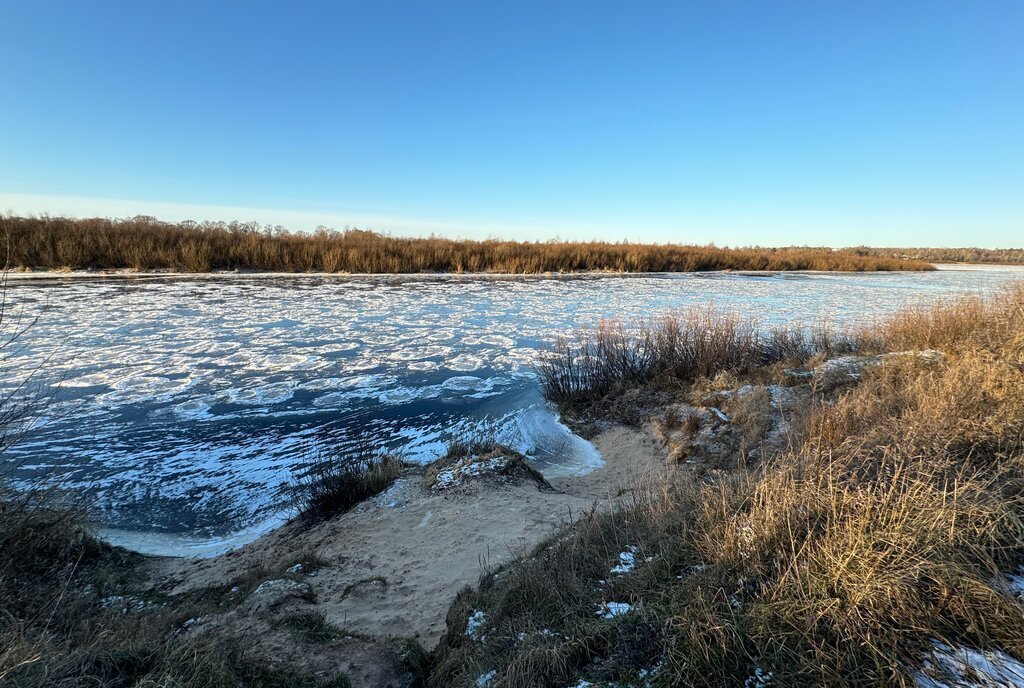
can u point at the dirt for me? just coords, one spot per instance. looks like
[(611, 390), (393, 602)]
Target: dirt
[(389, 569)]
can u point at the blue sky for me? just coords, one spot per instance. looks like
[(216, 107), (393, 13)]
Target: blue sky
[(741, 123)]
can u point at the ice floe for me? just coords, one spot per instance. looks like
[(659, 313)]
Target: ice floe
[(189, 401)]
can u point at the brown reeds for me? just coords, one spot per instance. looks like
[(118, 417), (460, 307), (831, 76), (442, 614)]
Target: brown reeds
[(964, 254), (142, 243), (678, 347)]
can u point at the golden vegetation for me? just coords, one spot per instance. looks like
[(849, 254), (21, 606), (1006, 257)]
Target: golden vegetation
[(676, 348), (891, 523), (144, 243)]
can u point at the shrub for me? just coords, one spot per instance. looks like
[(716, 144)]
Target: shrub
[(675, 349)]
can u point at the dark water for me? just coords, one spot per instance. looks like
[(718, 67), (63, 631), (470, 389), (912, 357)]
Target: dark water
[(187, 403)]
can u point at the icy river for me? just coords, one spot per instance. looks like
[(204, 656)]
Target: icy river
[(183, 406)]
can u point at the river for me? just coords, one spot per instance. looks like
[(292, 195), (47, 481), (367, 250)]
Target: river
[(184, 405)]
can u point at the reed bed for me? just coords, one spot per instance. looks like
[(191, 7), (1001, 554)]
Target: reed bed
[(676, 348), (142, 243)]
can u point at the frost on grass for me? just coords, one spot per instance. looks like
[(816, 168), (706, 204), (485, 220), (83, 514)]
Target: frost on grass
[(484, 680), (459, 473), (964, 667), (499, 465), (609, 610), (627, 560), (760, 679), (475, 625), (127, 603)]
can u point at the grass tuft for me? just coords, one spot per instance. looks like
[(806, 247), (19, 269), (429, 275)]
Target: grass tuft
[(332, 485)]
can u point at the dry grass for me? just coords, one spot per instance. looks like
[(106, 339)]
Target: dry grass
[(332, 484), (890, 524), (675, 350), (56, 630), (145, 243)]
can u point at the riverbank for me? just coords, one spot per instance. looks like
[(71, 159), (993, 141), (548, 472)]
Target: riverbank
[(354, 595), (391, 566), (58, 243), (775, 508), (29, 275), (850, 515)]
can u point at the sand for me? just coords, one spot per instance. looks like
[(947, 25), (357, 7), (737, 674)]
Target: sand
[(392, 566)]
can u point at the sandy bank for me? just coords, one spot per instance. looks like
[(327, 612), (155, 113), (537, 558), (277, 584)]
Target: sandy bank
[(391, 567)]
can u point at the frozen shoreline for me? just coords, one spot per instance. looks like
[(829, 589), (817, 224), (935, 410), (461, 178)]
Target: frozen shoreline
[(250, 274), (189, 404)]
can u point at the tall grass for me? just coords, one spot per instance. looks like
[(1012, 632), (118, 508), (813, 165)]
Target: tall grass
[(333, 484), (677, 348), (891, 524), (143, 243)]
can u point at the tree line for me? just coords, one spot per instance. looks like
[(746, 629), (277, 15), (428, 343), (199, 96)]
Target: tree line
[(145, 243), (965, 254)]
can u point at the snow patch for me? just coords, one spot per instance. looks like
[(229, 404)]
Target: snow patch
[(609, 610), (475, 625), (759, 679), (457, 475), (965, 667), (627, 560)]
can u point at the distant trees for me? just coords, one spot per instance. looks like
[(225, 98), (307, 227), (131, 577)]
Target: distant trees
[(1005, 256), (144, 243)]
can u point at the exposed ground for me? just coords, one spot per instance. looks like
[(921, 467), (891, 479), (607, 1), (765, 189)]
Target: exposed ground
[(391, 567)]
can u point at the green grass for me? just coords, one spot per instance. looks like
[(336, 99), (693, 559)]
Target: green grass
[(310, 626)]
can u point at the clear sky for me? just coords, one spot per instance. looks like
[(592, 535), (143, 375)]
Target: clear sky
[(819, 122)]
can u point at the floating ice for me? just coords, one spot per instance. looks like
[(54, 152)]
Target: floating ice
[(190, 402), (464, 363)]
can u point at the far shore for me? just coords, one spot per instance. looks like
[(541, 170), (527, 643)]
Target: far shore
[(221, 274)]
